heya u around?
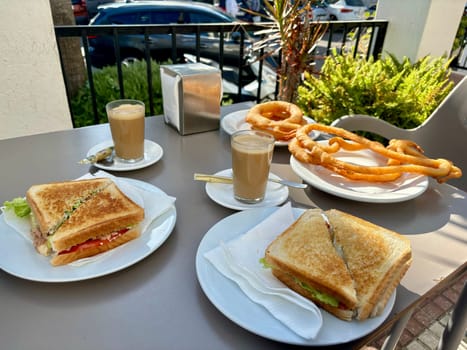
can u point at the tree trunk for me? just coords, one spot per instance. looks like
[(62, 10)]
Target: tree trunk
[(70, 48)]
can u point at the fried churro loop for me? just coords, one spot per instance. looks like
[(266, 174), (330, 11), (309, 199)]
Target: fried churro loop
[(278, 118), (403, 156)]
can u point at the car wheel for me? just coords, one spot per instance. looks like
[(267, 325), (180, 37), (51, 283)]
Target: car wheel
[(332, 18), (130, 56), (128, 61)]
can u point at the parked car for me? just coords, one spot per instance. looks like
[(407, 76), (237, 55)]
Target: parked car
[(346, 10), (80, 11), (320, 12), (161, 12), (93, 4)]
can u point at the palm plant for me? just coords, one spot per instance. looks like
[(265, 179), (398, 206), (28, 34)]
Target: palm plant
[(293, 36)]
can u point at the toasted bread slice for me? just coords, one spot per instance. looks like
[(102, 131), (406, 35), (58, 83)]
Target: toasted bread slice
[(94, 248), (377, 259), (290, 281), (50, 202), (393, 282), (304, 258), (108, 211)]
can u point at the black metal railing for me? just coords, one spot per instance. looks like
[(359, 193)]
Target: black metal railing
[(364, 37)]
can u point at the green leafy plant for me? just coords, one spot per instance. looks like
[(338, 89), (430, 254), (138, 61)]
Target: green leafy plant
[(401, 93), (107, 89)]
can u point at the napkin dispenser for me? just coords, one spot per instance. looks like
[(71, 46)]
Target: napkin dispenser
[(191, 95)]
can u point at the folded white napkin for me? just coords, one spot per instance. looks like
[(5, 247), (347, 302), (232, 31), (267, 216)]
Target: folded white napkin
[(239, 260), (154, 203)]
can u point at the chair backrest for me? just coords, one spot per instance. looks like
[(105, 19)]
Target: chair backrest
[(442, 135)]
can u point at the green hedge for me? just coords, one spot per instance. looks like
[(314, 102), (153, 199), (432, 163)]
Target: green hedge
[(401, 93), (107, 89)]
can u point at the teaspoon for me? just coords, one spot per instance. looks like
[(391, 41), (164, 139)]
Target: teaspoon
[(228, 180)]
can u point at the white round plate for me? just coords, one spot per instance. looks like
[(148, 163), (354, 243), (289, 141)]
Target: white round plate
[(408, 186), (152, 153), (229, 299), (235, 121), (19, 258), (223, 194)]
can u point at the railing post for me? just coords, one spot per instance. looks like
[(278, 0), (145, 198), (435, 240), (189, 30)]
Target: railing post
[(379, 42), (147, 57), (118, 59), (92, 88)]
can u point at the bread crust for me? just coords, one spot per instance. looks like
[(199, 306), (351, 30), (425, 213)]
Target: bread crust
[(63, 259), (391, 285), (288, 280)]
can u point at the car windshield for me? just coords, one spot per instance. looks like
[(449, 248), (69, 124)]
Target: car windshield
[(355, 3), (199, 17), (162, 16)]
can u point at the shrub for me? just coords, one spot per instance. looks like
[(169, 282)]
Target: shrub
[(107, 89), (402, 93)]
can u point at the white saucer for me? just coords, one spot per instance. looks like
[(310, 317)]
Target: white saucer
[(152, 153), (235, 121), (222, 194)]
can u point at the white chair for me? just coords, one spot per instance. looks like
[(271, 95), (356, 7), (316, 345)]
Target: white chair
[(442, 135)]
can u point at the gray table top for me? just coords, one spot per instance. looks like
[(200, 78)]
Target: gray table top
[(158, 302)]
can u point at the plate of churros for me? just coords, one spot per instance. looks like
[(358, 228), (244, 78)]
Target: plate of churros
[(351, 166), (406, 187), (237, 121)]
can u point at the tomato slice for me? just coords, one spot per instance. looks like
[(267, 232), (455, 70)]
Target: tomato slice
[(95, 242)]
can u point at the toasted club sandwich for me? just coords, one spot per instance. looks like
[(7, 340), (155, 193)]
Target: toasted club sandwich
[(357, 265), (76, 219), (304, 258)]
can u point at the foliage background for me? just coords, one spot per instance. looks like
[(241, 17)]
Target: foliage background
[(106, 86), (401, 93)]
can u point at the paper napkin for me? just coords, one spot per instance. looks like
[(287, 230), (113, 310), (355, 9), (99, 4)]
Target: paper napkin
[(239, 260)]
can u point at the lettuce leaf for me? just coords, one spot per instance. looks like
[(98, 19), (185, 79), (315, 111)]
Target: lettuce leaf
[(19, 205)]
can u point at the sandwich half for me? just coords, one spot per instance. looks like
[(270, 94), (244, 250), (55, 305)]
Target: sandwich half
[(77, 219), (52, 204), (303, 257), (377, 259), (350, 260)]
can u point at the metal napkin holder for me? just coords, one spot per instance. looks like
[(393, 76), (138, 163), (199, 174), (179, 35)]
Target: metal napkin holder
[(191, 95)]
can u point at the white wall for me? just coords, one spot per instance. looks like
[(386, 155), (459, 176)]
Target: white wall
[(32, 91), (418, 28)]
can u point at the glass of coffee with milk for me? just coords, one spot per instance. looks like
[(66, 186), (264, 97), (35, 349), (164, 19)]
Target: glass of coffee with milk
[(252, 152), (126, 119)]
